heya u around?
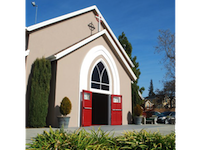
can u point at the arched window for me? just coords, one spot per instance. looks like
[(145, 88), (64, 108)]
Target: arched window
[(100, 78)]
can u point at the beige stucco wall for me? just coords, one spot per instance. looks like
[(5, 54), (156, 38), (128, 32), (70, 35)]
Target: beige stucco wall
[(54, 38), (51, 39), (68, 74)]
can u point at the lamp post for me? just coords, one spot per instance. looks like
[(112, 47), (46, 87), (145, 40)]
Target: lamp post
[(34, 5)]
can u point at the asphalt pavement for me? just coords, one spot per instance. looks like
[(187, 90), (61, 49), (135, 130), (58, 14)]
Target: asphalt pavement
[(117, 129)]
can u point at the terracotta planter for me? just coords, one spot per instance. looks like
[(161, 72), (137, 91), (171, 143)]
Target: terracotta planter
[(63, 121), (138, 120)]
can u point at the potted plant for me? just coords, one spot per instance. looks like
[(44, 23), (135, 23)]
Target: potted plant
[(138, 112), (65, 109)]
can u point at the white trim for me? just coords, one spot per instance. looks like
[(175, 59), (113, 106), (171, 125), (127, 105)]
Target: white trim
[(75, 47), (100, 91), (113, 35), (27, 52), (78, 45), (140, 95), (91, 55), (84, 72), (73, 14), (57, 19), (121, 56)]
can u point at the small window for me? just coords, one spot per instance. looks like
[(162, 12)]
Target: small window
[(100, 78), (86, 96), (116, 100)]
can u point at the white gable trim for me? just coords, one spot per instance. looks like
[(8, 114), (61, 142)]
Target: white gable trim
[(57, 19), (78, 45), (73, 14)]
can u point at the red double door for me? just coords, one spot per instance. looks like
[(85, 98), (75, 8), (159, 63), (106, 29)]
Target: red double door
[(116, 109)]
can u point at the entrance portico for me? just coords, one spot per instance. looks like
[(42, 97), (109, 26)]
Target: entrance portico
[(99, 77)]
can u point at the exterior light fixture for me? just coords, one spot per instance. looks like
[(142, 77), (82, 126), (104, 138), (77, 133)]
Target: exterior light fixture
[(34, 5)]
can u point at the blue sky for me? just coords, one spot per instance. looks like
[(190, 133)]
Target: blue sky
[(139, 20)]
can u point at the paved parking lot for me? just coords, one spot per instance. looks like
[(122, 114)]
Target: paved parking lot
[(117, 130)]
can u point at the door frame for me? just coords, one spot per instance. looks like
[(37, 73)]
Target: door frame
[(111, 110)]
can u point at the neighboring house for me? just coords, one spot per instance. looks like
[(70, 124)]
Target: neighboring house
[(162, 101), (166, 102), (156, 100), (148, 105), (89, 66), (173, 102)]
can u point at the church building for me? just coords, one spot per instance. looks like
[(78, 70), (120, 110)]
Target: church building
[(89, 66)]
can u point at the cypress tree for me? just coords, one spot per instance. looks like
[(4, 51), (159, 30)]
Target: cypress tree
[(40, 89), (134, 86), (151, 93)]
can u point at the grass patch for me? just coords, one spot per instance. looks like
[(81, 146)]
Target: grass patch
[(94, 140)]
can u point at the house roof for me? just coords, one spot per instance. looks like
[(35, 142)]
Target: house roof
[(76, 13)]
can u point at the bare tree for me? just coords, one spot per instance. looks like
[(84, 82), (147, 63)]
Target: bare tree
[(166, 45)]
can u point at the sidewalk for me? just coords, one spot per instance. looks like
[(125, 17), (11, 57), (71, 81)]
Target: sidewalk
[(117, 130)]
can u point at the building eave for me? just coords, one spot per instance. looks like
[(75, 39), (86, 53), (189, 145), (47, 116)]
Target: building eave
[(86, 41), (60, 18)]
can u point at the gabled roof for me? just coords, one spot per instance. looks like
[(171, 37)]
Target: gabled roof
[(76, 13), (89, 39)]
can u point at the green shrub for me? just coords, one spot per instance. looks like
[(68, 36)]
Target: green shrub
[(40, 89), (65, 106), (146, 140), (138, 110), (79, 139), (92, 140)]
